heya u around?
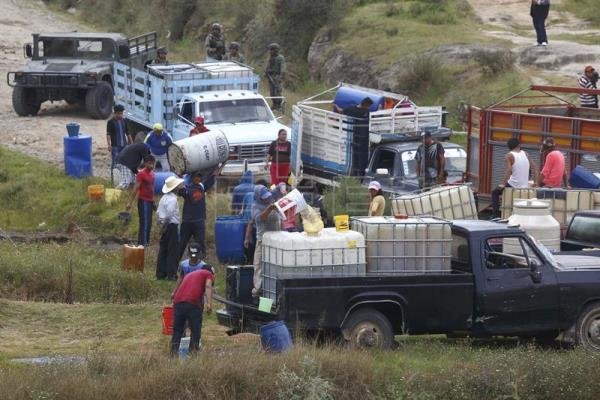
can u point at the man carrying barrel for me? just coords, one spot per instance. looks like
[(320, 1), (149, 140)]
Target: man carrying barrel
[(192, 295), (158, 140)]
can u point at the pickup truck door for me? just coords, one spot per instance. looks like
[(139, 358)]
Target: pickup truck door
[(386, 159), (519, 292)]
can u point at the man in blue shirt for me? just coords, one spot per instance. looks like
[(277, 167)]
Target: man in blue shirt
[(194, 211), (158, 140)]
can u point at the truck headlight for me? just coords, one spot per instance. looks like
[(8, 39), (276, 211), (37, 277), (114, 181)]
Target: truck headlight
[(233, 153)]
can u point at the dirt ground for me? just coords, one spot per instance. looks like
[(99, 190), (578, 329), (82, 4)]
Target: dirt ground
[(40, 136)]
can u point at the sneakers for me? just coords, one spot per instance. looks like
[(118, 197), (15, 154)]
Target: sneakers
[(544, 43)]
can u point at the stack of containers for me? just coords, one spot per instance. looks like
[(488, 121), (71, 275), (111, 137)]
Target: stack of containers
[(411, 245), (452, 202), (298, 255)]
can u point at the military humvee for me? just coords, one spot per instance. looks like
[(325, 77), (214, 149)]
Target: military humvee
[(76, 67)]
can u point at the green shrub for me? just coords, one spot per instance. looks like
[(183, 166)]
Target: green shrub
[(495, 62)]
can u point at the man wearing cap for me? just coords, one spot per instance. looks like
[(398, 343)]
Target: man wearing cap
[(144, 190), (275, 73), (360, 138), (117, 135), (168, 220), (194, 262), (194, 211), (161, 57), (128, 162), (265, 218), (553, 173), (430, 162), (376, 200), (215, 44), (234, 53), (588, 81), (159, 141), (199, 126)]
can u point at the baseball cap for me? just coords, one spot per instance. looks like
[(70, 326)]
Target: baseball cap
[(374, 185), (157, 126), (589, 68), (265, 193), (199, 120)]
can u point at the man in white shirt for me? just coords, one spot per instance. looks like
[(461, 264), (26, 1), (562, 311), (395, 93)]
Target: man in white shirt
[(168, 219), (516, 172)]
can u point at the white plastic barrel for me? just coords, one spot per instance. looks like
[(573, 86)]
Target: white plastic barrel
[(534, 217), (199, 152)]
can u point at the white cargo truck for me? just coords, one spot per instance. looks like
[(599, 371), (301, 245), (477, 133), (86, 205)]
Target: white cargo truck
[(224, 93)]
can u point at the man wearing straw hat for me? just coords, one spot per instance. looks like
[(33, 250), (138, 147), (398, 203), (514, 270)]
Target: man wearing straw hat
[(168, 219)]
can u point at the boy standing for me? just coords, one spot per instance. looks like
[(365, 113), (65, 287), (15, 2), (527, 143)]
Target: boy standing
[(144, 190)]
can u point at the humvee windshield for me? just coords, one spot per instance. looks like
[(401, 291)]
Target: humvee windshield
[(93, 49)]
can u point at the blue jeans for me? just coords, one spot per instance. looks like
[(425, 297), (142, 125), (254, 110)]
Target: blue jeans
[(192, 314), (145, 215)]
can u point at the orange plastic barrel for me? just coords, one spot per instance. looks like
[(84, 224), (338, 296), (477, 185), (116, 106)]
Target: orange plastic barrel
[(96, 192), (167, 320), (133, 258)]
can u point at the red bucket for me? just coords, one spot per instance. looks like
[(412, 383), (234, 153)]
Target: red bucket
[(167, 320)]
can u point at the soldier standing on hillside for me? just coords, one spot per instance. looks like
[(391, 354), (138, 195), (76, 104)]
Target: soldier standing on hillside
[(215, 44), (275, 73), (234, 53)]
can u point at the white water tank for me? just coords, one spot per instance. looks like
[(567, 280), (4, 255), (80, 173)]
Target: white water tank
[(199, 152), (534, 217)]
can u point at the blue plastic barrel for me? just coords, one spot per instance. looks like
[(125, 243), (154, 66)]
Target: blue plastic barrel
[(159, 180), (584, 179), (347, 96), (73, 129), (275, 337), (78, 156), (229, 238)]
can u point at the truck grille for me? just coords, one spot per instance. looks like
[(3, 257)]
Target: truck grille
[(253, 151), (55, 80)]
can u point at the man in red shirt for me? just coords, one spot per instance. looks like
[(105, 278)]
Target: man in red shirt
[(144, 189), (553, 173), (188, 304), (199, 128)]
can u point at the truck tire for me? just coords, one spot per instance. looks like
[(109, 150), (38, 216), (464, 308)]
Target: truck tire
[(25, 101), (587, 330), (99, 100), (368, 328)]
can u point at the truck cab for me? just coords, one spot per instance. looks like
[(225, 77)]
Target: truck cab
[(393, 165), (242, 115), (76, 67)]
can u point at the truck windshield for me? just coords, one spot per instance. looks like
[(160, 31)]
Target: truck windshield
[(235, 111), (456, 162), (584, 229), (93, 49)]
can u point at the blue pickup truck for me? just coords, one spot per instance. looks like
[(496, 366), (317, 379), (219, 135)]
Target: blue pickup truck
[(492, 289)]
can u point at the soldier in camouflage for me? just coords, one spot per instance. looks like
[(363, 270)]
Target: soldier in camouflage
[(234, 53), (275, 73), (215, 44)]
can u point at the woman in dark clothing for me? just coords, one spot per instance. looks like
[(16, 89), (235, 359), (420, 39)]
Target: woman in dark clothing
[(279, 156), (539, 13)]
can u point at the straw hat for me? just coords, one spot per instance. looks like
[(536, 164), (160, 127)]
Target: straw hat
[(171, 183)]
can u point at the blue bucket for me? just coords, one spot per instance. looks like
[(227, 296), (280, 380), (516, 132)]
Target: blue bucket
[(275, 337), (73, 129)]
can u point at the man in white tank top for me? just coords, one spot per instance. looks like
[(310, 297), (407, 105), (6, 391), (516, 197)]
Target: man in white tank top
[(516, 172)]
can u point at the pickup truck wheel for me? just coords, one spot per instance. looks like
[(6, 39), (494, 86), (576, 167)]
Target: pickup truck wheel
[(99, 100), (25, 101), (368, 328), (587, 333)]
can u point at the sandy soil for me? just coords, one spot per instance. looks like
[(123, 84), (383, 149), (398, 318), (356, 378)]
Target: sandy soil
[(40, 136)]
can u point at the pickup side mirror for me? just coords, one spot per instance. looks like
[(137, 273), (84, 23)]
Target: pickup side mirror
[(123, 51), (28, 50), (535, 272)]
